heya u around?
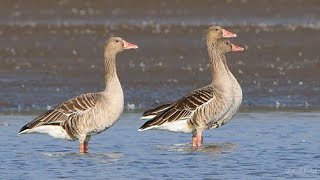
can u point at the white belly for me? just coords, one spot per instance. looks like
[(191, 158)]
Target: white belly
[(54, 131), (178, 126)]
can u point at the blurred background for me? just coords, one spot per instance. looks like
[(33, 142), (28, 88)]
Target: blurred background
[(53, 50)]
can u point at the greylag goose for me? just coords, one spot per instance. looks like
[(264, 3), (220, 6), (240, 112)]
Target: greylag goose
[(237, 99), (193, 112), (88, 114), (215, 33)]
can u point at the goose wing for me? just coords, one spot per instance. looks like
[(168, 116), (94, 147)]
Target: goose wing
[(149, 114), (183, 109), (65, 111)]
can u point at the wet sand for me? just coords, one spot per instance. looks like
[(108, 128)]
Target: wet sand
[(52, 51)]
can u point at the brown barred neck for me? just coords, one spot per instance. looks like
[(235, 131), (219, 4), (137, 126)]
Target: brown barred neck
[(110, 68), (224, 60), (218, 68)]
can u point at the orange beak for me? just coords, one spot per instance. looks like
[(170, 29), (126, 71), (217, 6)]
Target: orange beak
[(127, 45), (236, 48), (228, 34)]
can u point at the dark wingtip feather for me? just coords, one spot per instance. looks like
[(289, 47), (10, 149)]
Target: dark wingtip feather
[(25, 127), (145, 125), (33, 123), (156, 110), (147, 113)]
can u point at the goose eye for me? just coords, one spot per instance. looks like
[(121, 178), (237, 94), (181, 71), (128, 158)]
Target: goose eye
[(227, 43), (217, 29), (117, 41)]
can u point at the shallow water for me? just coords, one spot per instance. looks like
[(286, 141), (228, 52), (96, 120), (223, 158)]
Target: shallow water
[(254, 145)]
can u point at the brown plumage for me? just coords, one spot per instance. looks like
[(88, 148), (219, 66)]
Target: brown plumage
[(155, 111), (183, 108), (83, 116), (213, 34), (194, 111), (237, 92)]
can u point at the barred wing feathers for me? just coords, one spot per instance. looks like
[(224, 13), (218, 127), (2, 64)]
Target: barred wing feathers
[(64, 112), (183, 109)]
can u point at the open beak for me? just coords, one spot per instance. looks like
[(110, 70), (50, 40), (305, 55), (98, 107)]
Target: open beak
[(228, 34), (237, 48), (127, 45)]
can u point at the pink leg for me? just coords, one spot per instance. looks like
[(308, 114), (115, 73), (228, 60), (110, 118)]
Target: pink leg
[(194, 141), (84, 144), (199, 138), (83, 148)]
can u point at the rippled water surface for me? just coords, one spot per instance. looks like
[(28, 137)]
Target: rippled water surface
[(253, 145), (53, 50)]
